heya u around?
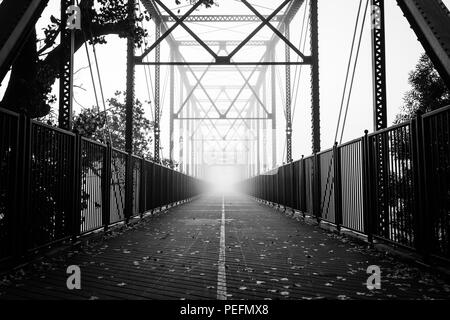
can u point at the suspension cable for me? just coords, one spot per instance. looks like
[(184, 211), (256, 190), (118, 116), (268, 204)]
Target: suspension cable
[(90, 70), (348, 100), (348, 69), (101, 87), (301, 44), (354, 71), (297, 74), (92, 79), (147, 70), (297, 80)]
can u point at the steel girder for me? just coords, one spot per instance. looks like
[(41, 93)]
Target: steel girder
[(315, 85), (217, 43), (379, 65), (290, 12), (288, 102), (430, 20), (129, 103), (65, 71), (221, 18), (222, 60), (17, 18), (157, 97)]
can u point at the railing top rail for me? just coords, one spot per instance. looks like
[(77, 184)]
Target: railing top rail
[(391, 128), (56, 129), (93, 142), (325, 151), (354, 141), (9, 112), (119, 151), (160, 165), (436, 112)]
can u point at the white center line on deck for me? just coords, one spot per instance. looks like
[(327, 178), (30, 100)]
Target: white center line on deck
[(221, 275)]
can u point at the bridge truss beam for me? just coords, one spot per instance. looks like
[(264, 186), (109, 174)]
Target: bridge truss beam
[(430, 20), (246, 116), (221, 18), (379, 65)]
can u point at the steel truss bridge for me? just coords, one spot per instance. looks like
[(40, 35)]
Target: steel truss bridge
[(391, 185)]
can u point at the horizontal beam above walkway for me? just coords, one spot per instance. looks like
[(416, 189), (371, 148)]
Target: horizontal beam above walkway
[(221, 18), (228, 63)]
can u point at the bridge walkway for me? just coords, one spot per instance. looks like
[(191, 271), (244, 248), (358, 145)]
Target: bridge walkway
[(223, 246)]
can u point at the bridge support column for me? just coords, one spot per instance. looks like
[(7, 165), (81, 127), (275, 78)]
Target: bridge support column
[(274, 110), (129, 103), (379, 110), (315, 98), (66, 70), (172, 105), (258, 141), (188, 137), (157, 94), (181, 131), (288, 100), (264, 139), (379, 65)]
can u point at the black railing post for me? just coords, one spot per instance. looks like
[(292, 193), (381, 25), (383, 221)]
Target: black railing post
[(367, 183), (337, 186), (291, 186), (302, 187), (21, 220), (177, 182), (264, 188), (106, 186), (170, 187), (421, 223), (142, 188), (151, 193), (76, 187), (128, 188), (14, 185), (316, 188)]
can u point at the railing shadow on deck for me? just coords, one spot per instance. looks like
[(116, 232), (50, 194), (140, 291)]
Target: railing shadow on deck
[(392, 185), (56, 186)]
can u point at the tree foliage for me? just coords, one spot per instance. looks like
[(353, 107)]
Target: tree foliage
[(110, 127), (428, 91), (37, 65), (103, 127)]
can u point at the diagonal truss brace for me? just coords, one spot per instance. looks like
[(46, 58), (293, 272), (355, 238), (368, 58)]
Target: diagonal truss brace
[(224, 60)]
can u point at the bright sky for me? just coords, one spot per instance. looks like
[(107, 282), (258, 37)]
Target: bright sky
[(336, 23)]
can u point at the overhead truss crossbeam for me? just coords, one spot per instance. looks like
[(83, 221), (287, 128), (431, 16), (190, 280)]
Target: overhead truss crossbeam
[(265, 21), (221, 18)]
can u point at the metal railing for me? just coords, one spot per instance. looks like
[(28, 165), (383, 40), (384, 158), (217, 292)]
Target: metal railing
[(56, 185), (392, 185)]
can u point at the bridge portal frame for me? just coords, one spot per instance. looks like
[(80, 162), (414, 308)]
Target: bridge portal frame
[(280, 33)]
